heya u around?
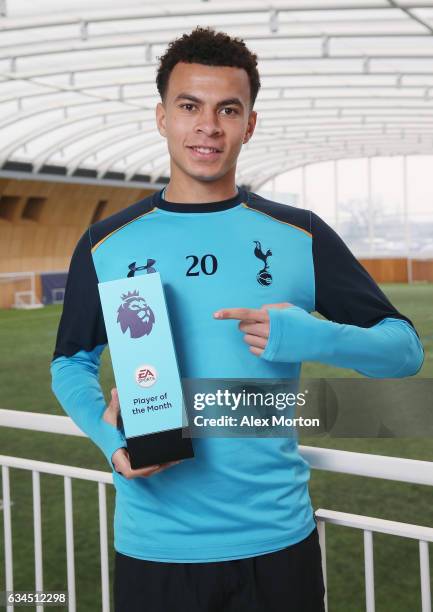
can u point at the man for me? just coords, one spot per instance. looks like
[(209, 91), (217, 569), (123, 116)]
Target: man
[(232, 529)]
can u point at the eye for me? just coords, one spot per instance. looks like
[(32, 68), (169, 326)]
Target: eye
[(232, 111), (187, 106)]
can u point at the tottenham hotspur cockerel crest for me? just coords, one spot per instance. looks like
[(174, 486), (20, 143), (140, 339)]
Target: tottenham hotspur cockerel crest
[(264, 277), (134, 314)]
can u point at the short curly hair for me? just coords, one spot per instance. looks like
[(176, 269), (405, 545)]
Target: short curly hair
[(211, 48)]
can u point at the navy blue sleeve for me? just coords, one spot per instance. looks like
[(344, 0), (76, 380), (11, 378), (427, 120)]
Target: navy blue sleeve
[(81, 339), (81, 325), (345, 291)]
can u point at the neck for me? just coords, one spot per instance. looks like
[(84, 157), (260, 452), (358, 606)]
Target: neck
[(186, 190)]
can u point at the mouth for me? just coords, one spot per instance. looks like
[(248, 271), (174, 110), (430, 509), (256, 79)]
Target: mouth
[(200, 152)]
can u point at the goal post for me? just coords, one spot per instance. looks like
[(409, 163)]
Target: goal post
[(18, 290)]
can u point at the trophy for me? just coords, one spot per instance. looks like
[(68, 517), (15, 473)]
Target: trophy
[(145, 370)]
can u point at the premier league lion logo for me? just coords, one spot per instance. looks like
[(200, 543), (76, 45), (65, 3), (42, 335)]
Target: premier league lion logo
[(136, 315)]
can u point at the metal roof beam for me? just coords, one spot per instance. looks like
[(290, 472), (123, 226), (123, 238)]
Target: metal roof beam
[(5, 152), (121, 65), (57, 178), (44, 156), (412, 16), (199, 10), (138, 40)]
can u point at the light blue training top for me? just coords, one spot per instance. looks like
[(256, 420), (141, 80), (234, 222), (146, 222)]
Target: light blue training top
[(238, 497)]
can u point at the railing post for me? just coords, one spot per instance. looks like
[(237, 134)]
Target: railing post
[(37, 530), (322, 541), (9, 572), (69, 526), (105, 588), (369, 571), (425, 576)]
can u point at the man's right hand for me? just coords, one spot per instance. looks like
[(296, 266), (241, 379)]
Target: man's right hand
[(120, 457), (122, 464)]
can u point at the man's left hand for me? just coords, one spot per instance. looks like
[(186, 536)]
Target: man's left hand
[(254, 322)]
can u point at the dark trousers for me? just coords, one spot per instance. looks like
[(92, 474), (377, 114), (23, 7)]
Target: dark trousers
[(288, 580)]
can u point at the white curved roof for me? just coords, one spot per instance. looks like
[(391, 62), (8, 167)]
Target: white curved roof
[(340, 79)]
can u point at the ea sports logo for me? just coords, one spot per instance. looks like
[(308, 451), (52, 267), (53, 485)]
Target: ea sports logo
[(146, 375)]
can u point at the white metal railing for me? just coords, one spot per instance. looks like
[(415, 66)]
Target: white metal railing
[(371, 525), (64, 425), (68, 472), (375, 466), (345, 462)]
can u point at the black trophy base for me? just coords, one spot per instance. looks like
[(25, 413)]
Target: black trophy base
[(159, 447)]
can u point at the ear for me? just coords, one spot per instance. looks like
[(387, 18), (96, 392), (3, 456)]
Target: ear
[(252, 119), (160, 119)]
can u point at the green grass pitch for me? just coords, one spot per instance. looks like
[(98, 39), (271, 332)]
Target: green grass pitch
[(26, 343)]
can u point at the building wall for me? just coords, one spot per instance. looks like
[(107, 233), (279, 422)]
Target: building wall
[(41, 222), (393, 270)]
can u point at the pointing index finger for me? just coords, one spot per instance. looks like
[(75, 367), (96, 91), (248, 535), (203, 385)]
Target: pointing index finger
[(242, 314)]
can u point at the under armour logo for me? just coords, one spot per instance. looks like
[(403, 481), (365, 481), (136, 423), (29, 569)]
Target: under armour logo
[(263, 276), (133, 268)]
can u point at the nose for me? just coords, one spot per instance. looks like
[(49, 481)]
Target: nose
[(208, 123)]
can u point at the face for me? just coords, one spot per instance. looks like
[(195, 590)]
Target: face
[(206, 118)]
